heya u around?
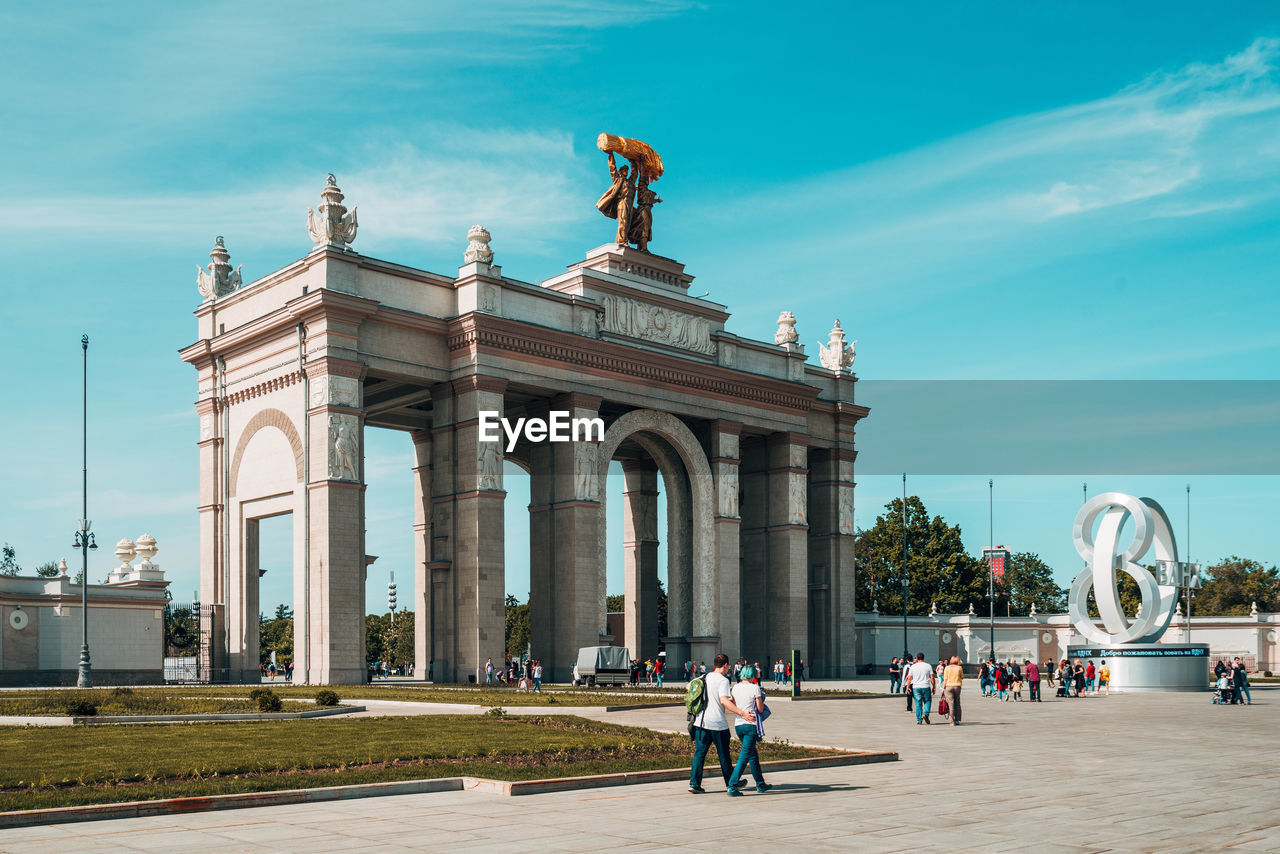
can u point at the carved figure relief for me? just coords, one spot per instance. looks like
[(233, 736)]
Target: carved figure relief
[(846, 510), (728, 354), (206, 427), (653, 323), (339, 391), (344, 448), (584, 472), (489, 298), (489, 466), (587, 323), (797, 499), (729, 491)]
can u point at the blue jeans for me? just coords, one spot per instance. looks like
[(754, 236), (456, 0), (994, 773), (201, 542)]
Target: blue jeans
[(894, 682), (1035, 690), (924, 701), (703, 740), (985, 684), (1242, 692), (537, 683), (747, 735), (659, 675)]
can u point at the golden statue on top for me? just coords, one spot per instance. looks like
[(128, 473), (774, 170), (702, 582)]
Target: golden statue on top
[(630, 199)]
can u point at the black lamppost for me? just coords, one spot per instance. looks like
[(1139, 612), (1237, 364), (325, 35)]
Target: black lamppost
[(906, 650), (991, 567), (84, 539)]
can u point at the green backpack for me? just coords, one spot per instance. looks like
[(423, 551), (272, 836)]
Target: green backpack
[(695, 698)]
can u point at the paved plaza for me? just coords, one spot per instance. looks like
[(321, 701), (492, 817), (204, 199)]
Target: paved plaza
[(1145, 772)]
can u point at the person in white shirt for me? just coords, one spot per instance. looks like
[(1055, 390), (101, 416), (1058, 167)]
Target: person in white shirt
[(747, 695), (920, 679), (711, 727)]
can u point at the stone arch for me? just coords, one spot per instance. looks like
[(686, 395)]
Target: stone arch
[(676, 434), (267, 418)]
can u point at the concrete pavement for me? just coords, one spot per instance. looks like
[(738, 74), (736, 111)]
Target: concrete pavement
[(1141, 772)]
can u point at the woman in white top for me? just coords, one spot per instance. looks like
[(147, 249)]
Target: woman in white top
[(747, 695)]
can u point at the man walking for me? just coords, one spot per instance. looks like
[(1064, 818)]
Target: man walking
[(920, 682), (1033, 679), (711, 726), (488, 672), (895, 675)]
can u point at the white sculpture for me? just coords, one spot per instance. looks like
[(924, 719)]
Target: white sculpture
[(218, 279), (729, 492), (786, 333), (125, 550), (332, 226), (146, 549), (1253, 610), (972, 613), (62, 567), (933, 609), (845, 520), (836, 355), (584, 472), (798, 490), (343, 451), (478, 251), (490, 466)]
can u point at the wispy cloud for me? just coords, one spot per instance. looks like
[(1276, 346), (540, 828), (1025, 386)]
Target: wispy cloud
[(1200, 141)]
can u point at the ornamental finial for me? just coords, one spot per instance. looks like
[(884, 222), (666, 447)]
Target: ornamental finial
[(218, 279), (836, 355), (478, 250), (786, 333), (332, 226)]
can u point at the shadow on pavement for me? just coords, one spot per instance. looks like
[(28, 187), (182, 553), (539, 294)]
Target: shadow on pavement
[(810, 788)]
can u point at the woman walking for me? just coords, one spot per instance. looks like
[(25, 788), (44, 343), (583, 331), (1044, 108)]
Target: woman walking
[(952, 679), (747, 695)]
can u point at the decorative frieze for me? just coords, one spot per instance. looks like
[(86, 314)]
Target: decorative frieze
[(336, 391), (655, 323)]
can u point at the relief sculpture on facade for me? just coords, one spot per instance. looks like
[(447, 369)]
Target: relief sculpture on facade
[(344, 450), (489, 466), (729, 492), (584, 472), (846, 510), (797, 500), (654, 323)]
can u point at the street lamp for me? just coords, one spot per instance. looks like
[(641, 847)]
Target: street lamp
[(906, 650), (84, 539), (391, 603), (991, 566)]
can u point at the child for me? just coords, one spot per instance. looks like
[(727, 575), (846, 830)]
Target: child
[(1017, 690), (1104, 679)]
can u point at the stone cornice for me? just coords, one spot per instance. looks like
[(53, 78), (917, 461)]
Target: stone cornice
[(474, 332)]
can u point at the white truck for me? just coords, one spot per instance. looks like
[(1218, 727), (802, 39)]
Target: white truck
[(602, 665)]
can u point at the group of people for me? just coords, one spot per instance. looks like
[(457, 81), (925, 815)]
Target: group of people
[(921, 681), (1232, 683), (1082, 678), (650, 670), (710, 701), (524, 673), (271, 670), (1005, 680)]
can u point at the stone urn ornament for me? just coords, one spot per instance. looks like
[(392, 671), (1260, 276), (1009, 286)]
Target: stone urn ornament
[(786, 333)]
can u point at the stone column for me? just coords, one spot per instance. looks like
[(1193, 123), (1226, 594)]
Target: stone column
[(640, 556), (334, 606), (832, 639), (728, 523), (753, 505), (422, 557), (477, 544), (542, 576), (212, 502), (579, 604), (788, 544)]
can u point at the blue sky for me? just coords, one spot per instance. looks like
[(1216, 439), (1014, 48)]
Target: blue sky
[(978, 191)]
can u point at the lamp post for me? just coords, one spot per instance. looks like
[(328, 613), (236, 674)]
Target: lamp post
[(84, 539), (391, 603), (1188, 587), (905, 648), (991, 567)]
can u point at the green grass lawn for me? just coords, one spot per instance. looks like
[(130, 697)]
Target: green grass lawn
[(475, 696), (130, 701), (69, 766)]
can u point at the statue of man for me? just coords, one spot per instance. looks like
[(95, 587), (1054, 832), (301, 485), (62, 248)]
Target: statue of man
[(642, 231), (617, 202)]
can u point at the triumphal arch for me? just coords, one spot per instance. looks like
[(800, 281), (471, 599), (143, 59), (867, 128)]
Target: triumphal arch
[(754, 448)]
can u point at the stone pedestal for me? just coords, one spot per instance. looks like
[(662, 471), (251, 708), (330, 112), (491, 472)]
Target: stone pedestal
[(1150, 667)]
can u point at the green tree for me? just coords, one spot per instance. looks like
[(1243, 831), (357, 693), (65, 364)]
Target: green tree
[(519, 630), (47, 570), (390, 641), (283, 612), (616, 603), (9, 560), (1231, 586), (1028, 580), (276, 635), (937, 568)]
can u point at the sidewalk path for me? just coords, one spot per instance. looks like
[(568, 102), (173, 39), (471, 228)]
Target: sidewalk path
[(1137, 773)]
